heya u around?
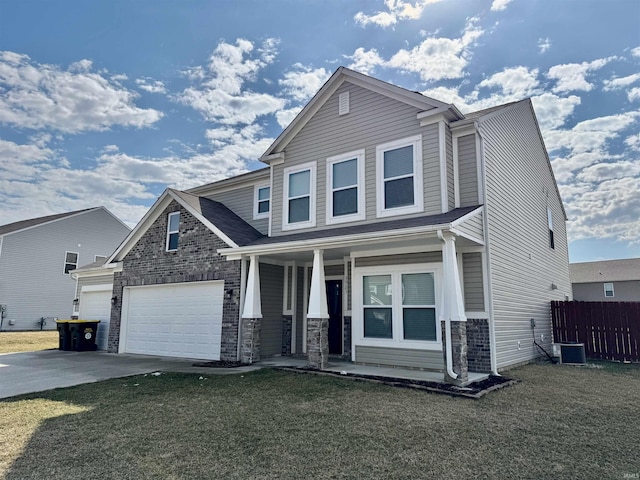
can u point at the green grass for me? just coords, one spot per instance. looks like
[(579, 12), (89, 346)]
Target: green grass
[(559, 422), (11, 342)]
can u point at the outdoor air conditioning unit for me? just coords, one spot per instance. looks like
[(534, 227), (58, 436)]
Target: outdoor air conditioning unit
[(572, 353)]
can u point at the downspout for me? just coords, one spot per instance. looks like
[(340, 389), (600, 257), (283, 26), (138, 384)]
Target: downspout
[(447, 324)]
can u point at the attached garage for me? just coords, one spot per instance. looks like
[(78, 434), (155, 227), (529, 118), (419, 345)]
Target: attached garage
[(174, 320), (95, 304)]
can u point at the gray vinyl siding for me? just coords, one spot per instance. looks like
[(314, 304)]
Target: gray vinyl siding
[(519, 187), (467, 171), (334, 270), (628, 291), (473, 283), (474, 228), (93, 280), (300, 313), (32, 282), (373, 120), (240, 202), (406, 258), (271, 291), (399, 357), (451, 189)]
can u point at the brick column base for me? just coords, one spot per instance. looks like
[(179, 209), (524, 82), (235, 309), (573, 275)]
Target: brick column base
[(250, 347), (318, 342), (458, 352)]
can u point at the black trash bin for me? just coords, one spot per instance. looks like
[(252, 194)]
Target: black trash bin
[(64, 336), (83, 335)]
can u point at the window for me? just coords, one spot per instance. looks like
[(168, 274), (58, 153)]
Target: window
[(262, 201), (398, 306), (608, 290), (173, 231), (299, 197), (70, 261), (550, 223), (399, 177), (99, 258), (345, 188)]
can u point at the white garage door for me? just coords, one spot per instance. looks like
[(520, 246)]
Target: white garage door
[(96, 305), (175, 320)]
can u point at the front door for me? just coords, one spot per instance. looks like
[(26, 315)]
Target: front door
[(334, 300)]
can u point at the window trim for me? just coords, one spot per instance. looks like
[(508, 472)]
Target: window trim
[(172, 232), (397, 340), (552, 243), (359, 156), (256, 201), (418, 192), (95, 257), (64, 265), (311, 166), (611, 290)]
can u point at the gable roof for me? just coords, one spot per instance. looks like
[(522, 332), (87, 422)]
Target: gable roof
[(605, 271), (225, 224), (341, 75), (34, 222)]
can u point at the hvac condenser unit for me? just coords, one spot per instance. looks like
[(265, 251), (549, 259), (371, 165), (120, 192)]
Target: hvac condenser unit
[(572, 353)]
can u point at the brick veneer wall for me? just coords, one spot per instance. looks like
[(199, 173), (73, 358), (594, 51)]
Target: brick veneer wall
[(287, 323), (478, 345), (148, 263)]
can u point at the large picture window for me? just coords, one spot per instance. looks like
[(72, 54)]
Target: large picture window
[(345, 187), (399, 177), (299, 197), (399, 305)]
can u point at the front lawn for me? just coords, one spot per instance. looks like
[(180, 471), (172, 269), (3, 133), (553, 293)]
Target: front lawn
[(11, 342), (560, 422)]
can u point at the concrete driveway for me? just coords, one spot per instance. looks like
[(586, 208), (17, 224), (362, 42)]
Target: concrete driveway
[(30, 372)]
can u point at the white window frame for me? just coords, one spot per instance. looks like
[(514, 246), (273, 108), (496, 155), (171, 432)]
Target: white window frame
[(170, 232), (418, 193), (552, 238), (358, 155), (99, 257), (256, 202), (396, 272), (64, 265), (311, 166), (609, 290)]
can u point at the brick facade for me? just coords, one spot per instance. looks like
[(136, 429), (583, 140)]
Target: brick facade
[(318, 342), (458, 352), (347, 338), (148, 263), (478, 345)]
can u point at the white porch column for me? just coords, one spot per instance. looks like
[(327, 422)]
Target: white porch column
[(251, 315), (452, 310), (318, 316)]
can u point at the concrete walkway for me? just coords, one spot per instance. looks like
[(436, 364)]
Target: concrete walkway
[(30, 372)]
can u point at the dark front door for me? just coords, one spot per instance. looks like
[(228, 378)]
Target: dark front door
[(334, 300)]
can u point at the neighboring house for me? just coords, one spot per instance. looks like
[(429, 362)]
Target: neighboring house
[(37, 256), (388, 229), (606, 281)]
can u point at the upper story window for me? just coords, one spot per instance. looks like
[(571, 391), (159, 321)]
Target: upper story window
[(552, 243), (345, 187), (70, 261), (173, 231), (608, 290), (100, 258), (261, 201), (299, 197), (399, 177)]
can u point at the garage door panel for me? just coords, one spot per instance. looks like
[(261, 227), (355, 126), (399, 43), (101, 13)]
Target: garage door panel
[(181, 320)]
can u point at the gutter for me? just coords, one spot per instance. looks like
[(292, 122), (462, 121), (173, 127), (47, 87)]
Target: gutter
[(447, 330)]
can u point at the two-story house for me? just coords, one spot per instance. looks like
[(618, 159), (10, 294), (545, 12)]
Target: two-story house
[(388, 228), (606, 280)]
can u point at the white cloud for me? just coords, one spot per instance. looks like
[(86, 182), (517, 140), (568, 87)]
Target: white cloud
[(499, 5), (439, 58), (516, 81), (573, 76), (39, 96), (635, 52), (365, 61), (152, 86), (553, 111), (285, 117), (608, 171), (633, 94), (397, 10), (620, 82), (544, 44), (303, 82)]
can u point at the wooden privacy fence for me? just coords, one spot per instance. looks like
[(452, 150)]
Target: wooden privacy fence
[(609, 330)]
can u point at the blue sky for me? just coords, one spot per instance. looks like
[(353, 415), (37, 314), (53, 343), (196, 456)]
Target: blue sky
[(109, 102)]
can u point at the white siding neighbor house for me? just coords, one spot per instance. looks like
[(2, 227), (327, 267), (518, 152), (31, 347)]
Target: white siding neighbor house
[(386, 229), (37, 257)]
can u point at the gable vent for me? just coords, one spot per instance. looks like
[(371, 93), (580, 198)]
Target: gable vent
[(343, 103)]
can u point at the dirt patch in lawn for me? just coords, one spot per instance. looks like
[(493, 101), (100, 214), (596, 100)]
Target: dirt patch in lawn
[(473, 390)]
